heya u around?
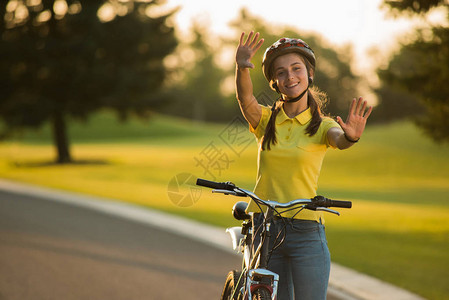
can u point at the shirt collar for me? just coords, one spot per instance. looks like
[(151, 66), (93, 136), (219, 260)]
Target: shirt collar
[(302, 118)]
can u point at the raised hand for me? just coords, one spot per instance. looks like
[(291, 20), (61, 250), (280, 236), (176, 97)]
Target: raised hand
[(247, 49), (356, 120)]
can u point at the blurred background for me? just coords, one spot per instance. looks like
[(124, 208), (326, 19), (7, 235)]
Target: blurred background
[(126, 99)]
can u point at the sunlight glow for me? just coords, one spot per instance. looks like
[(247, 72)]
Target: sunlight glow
[(156, 11), (75, 8), (106, 13), (34, 2), (21, 12), (60, 8), (360, 23), (44, 16), (12, 6)]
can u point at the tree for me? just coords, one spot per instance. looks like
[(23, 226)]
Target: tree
[(197, 94), (395, 104), (63, 59), (412, 6), (421, 68)]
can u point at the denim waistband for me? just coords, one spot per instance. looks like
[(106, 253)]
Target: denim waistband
[(294, 220)]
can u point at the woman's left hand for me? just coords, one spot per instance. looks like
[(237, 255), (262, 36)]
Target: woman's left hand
[(356, 120)]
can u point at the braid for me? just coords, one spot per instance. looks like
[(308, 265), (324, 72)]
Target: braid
[(270, 131), (315, 123)]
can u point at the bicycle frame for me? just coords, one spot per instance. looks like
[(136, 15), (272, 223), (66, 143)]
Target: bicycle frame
[(255, 265)]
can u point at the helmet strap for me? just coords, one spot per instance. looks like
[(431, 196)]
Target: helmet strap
[(300, 96)]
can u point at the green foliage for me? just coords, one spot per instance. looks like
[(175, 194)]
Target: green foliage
[(395, 104), (413, 6), (70, 63), (421, 68), (198, 95)]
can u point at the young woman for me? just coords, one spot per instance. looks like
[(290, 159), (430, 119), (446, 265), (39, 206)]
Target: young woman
[(293, 137)]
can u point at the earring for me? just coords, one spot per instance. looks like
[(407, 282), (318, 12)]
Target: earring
[(310, 80)]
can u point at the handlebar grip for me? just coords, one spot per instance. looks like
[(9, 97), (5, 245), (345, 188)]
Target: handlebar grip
[(215, 185), (338, 203), (325, 202)]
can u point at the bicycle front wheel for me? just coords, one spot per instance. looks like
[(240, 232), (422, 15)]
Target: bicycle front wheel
[(232, 286), (261, 294)]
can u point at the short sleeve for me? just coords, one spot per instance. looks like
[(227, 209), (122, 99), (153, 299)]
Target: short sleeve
[(259, 131), (326, 124)]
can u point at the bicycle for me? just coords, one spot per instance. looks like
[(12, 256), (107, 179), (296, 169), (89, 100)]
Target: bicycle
[(255, 281)]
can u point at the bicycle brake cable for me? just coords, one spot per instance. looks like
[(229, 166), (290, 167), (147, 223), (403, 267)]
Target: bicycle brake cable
[(300, 210)]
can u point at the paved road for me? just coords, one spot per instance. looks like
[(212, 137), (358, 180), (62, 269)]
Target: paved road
[(51, 250)]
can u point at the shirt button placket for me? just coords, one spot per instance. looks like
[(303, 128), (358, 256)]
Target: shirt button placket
[(289, 130)]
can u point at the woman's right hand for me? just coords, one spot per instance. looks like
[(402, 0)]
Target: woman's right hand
[(247, 49)]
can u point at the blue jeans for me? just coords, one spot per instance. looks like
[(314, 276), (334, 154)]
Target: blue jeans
[(302, 261)]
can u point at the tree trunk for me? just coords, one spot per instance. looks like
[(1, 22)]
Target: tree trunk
[(60, 138)]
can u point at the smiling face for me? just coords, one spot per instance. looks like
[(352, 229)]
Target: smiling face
[(290, 75)]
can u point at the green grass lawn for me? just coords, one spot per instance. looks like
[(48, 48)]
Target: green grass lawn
[(398, 180)]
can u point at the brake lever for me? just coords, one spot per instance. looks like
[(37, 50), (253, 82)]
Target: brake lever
[(319, 208), (228, 192), (328, 210)]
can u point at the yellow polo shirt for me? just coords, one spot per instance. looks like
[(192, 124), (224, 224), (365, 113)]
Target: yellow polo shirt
[(290, 170)]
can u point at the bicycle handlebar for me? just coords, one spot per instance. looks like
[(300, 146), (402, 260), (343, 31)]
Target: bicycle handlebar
[(318, 201)]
